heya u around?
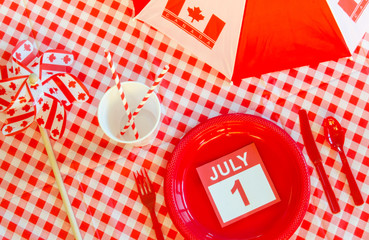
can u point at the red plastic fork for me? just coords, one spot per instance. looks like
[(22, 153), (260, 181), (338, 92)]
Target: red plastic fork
[(148, 198)]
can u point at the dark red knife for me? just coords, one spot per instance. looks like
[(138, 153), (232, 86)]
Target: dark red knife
[(315, 157)]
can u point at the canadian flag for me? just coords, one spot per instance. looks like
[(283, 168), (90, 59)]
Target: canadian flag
[(201, 26), (206, 31), (246, 38)]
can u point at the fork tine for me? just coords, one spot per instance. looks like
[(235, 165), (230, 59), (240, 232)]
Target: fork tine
[(143, 182), (149, 181), (145, 185), (137, 180)]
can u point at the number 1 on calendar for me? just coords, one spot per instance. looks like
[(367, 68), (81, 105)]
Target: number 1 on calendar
[(238, 187)]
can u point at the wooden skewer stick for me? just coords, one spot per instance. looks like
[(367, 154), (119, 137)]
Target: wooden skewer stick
[(33, 78), (59, 182)]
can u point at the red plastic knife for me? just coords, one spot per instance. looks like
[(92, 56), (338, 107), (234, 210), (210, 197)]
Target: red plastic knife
[(315, 157)]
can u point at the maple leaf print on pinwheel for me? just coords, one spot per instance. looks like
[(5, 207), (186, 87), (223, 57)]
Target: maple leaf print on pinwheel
[(27, 47), (18, 55), (66, 59), (40, 121), (59, 117), (26, 108), (72, 84), (43, 102), (195, 13), (52, 58), (81, 96), (12, 86), (24, 123), (45, 107), (55, 132)]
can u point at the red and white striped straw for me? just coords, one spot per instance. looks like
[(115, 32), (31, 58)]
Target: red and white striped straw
[(147, 96), (122, 95)]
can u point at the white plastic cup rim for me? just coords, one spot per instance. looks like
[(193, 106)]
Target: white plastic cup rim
[(112, 116)]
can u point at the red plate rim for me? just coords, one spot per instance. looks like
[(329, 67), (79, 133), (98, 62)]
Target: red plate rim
[(170, 181)]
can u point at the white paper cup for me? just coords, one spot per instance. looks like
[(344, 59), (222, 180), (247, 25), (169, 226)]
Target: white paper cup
[(112, 116)]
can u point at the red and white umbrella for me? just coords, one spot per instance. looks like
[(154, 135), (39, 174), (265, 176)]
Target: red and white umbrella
[(38, 89), (246, 38)]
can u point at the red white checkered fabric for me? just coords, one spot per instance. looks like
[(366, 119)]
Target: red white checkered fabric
[(98, 172)]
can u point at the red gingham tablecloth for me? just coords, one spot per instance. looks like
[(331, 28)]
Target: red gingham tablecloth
[(97, 172)]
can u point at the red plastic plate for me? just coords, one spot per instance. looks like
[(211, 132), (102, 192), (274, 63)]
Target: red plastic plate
[(188, 204)]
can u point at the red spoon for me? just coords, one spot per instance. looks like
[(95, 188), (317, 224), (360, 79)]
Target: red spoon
[(335, 135)]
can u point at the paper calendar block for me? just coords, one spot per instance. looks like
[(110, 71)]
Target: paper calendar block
[(238, 185)]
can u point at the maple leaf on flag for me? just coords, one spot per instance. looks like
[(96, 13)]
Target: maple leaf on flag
[(66, 59), (2, 91), (18, 56), (52, 58), (55, 132), (12, 86), (81, 96), (45, 107), (59, 117), (9, 129), (11, 112), (195, 13), (72, 84), (40, 121), (27, 47), (26, 108)]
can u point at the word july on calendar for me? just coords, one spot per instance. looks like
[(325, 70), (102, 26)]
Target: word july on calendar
[(238, 185)]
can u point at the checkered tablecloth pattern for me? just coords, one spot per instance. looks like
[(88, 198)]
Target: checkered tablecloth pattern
[(98, 172)]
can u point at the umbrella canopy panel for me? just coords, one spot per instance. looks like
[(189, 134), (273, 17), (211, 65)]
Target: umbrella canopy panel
[(283, 34), (273, 35)]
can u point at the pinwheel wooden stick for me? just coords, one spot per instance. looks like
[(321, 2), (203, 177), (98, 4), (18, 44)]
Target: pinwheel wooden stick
[(59, 182), (33, 79)]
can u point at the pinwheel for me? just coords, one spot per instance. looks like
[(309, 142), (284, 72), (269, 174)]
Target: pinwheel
[(43, 100), (36, 88)]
